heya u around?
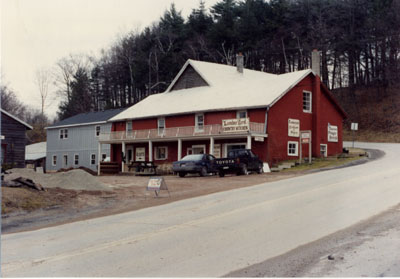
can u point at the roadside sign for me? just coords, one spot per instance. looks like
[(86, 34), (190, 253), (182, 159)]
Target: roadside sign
[(354, 126), (305, 135), (157, 184), (305, 138)]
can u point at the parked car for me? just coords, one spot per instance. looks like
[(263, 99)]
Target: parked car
[(195, 163), (239, 161)]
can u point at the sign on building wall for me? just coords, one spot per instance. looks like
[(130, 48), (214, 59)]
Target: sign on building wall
[(293, 127), (140, 154), (332, 133), (217, 151), (235, 125)]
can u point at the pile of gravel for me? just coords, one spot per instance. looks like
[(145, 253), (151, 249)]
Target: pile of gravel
[(74, 180)]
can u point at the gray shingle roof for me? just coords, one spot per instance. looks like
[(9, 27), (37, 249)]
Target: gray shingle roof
[(88, 118)]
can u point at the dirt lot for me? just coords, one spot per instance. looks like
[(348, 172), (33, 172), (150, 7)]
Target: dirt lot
[(27, 209)]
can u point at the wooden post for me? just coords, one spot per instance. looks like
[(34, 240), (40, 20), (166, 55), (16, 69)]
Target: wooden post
[(123, 156), (212, 146), (249, 142), (150, 151), (179, 149), (98, 158)]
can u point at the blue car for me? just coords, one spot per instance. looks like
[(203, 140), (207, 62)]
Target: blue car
[(196, 163)]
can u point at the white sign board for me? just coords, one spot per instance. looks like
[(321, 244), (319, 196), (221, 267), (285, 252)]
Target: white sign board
[(354, 126), (140, 154), (332, 133), (259, 139), (293, 127), (235, 125), (156, 184), (217, 151)]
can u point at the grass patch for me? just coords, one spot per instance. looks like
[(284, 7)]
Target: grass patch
[(319, 163)]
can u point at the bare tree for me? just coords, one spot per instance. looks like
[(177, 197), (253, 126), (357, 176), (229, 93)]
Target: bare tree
[(43, 81)]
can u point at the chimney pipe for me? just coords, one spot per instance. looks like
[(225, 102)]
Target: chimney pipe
[(239, 62), (315, 62)]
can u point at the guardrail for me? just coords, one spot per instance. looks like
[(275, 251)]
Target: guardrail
[(177, 132)]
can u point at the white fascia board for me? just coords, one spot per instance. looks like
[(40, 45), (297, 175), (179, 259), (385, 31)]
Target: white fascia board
[(76, 125), (188, 62), (17, 119), (291, 87)]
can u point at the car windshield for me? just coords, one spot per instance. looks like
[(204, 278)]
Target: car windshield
[(194, 157)]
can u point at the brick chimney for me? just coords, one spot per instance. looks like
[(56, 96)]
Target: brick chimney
[(315, 62), (239, 62)]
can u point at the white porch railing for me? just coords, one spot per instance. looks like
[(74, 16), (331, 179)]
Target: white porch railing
[(177, 132)]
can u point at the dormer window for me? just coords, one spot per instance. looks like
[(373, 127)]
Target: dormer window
[(241, 114), (199, 122), (161, 126)]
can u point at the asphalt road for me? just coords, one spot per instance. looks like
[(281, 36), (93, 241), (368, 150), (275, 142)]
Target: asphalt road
[(212, 235)]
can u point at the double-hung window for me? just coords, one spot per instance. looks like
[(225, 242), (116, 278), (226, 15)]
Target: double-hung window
[(128, 128), (161, 152), (76, 159), (161, 126), (324, 150), (54, 160), (63, 133), (241, 114), (92, 159), (293, 149), (307, 101), (199, 122), (98, 130)]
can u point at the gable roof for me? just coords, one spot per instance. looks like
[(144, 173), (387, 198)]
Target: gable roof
[(35, 151), (88, 118), (228, 90), (16, 119)]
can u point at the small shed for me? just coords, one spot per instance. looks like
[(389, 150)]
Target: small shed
[(35, 155)]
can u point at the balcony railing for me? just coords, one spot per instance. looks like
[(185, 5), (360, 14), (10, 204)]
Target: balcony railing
[(178, 132)]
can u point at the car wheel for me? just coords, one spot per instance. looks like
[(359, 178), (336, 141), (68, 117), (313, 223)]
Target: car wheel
[(182, 174), (244, 170), (260, 169), (203, 171)]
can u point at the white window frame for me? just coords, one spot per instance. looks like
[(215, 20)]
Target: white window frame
[(326, 149), (161, 130), (199, 146), (156, 153), (296, 143), (97, 132), (63, 134), (54, 160), (309, 93), (65, 160), (91, 158), (198, 128), (239, 112), (129, 127), (75, 159)]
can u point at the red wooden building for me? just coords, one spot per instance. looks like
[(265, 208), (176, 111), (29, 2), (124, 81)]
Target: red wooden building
[(212, 108)]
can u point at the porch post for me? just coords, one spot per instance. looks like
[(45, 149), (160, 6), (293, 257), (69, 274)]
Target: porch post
[(124, 155), (150, 151), (249, 142), (179, 149), (212, 146), (98, 158)]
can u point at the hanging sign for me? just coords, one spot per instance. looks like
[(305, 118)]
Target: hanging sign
[(259, 138), (332, 133), (293, 127), (235, 125), (157, 184)]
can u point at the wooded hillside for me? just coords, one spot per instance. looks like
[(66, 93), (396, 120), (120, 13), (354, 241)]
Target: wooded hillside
[(359, 42)]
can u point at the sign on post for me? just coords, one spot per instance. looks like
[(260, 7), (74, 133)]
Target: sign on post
[(354, 127), (293, 127), (305, 138), (157, 184)]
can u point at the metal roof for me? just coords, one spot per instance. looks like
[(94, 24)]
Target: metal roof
[(17, 119), (35, 151), (87, 118)]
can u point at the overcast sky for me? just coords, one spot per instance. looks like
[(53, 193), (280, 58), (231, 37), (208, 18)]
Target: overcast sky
[(37, 33)]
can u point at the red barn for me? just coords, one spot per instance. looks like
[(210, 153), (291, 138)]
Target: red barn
[(213, 108)]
